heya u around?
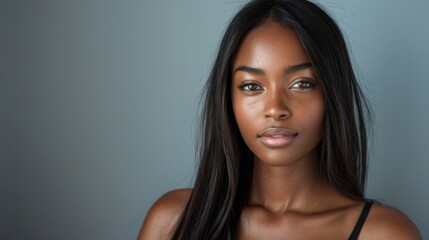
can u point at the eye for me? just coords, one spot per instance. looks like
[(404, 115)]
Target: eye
[(302, 84), (250, 86)]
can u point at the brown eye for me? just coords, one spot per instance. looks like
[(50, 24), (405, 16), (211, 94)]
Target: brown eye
[(250, 87), (302, 84)]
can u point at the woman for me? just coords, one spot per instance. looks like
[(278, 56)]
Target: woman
[(283, 146)]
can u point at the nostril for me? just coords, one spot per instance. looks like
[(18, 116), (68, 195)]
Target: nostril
[(277, 116), (282, 116)]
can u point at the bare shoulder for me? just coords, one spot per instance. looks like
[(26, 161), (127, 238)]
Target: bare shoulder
[(385, 222), (164, 214)]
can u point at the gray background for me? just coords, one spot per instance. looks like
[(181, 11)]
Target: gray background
[(98, 100)]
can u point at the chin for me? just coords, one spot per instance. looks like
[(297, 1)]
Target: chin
[(281, 159)]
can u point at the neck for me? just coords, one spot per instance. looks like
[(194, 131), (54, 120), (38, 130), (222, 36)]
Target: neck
[(287, 188)]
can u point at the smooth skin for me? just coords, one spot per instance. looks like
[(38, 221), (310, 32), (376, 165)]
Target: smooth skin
[(274, 86)]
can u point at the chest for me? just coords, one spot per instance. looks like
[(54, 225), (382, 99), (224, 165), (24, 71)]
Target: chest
[(295, 226)]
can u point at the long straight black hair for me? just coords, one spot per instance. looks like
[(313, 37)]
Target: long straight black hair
[(223, 180)]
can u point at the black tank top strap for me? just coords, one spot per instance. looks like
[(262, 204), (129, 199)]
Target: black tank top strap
[(361, 221)]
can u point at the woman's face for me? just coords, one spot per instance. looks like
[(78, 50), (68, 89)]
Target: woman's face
[(277, 97)]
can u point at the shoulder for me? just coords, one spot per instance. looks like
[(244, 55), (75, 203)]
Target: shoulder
[(385, 222), (164, 214)]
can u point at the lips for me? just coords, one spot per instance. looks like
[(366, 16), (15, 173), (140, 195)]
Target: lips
[(277, 137)]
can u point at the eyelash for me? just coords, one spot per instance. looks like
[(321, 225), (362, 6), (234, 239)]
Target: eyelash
[(303, 84), (249, 85)]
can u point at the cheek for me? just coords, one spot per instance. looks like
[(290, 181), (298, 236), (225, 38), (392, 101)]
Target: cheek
[(315, 118), (245, 108), (252, 106), (308, 114), (246, 113)]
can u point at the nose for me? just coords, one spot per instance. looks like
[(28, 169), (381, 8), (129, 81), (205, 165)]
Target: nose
[(277, 105)]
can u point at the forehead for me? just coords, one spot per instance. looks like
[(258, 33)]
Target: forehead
[(271, 44)]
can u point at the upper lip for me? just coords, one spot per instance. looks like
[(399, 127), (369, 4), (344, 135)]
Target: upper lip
[(275, 131)]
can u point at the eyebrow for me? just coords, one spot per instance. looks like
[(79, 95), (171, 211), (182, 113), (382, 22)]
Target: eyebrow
[(288, 70)]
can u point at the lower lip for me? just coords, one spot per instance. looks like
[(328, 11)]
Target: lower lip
[(276, 142)]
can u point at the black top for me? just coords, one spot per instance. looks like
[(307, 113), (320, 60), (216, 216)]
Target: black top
[(361, 221)]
